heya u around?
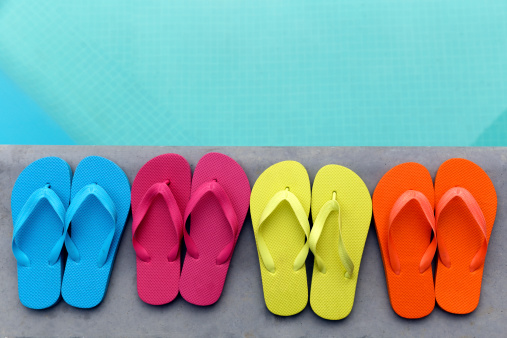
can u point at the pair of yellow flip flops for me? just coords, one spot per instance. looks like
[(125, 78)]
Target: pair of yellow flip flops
[(341, 212)]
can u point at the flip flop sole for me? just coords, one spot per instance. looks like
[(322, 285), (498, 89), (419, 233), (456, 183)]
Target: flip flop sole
[(39, 284), (457, 289), (158, 279), (332, 294), (411, 293), (84, 283), (285, 290), (202, 279)]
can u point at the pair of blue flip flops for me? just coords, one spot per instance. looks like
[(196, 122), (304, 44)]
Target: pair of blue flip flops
[(86, 213)]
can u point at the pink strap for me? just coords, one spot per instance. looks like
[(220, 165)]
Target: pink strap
[(161, 188), (222, 197), (478, 216), (427, 209)]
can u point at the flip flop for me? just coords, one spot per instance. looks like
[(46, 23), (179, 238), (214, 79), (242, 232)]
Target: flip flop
[(341, 213), (465, 213), (218, 204), (100, 203), (160, 193), (39, 200), (280, 205), (403, 204)]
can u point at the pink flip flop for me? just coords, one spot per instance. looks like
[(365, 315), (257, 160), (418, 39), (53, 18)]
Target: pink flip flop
[(160, 194), (218, 204)]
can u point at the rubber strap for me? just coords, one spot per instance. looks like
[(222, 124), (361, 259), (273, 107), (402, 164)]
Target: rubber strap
[(78, 200), (299, 211), (427, 209), (157, 189), (318, 225), (221, 195), (475, 210), (26, 211)]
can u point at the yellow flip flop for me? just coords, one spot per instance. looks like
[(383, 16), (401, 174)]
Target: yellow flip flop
[(341, 213), (280, 206)]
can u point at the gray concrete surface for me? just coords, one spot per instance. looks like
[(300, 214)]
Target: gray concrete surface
[(241, 310)]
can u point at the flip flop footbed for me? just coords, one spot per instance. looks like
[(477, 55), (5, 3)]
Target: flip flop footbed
[(457, 289), (202, 279), (85, 283), (39, 284), (285, 290), (332, 293), (158, 278), (411, 292)]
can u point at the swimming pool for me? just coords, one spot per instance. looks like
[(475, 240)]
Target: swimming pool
[(353, 73)]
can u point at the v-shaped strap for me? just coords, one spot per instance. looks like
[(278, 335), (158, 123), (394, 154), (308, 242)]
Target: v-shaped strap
[(475, 210), (318, 225), (26, 211), (76, 203), (157, 189), (223, 199), (299, 211), (427, 209)]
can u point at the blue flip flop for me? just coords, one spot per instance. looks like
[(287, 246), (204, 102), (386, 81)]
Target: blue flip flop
[(95, 219), (39, 200)]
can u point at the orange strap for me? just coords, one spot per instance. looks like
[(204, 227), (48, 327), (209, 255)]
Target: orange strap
[(427, 209), (475, 210)]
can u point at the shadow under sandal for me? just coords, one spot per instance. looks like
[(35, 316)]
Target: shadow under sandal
[(39, 200), (100, 203)]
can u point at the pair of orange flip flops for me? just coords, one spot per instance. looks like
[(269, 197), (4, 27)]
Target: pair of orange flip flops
[(459, 211)]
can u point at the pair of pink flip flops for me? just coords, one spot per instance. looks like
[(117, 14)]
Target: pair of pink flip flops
[(163, 197)]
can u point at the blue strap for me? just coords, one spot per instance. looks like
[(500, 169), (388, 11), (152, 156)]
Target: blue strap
[(104, 198), (27, 210)]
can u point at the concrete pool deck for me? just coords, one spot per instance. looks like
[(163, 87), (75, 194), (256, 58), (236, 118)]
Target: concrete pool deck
[(241, 310)]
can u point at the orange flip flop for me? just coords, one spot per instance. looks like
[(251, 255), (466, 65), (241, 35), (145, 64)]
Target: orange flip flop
[(465, 213), (403, 204)]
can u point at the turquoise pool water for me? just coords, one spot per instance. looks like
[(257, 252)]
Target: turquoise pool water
[(254, 72)]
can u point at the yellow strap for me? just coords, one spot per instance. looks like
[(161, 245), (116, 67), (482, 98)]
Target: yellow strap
[(318, 225), (299, 211)]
